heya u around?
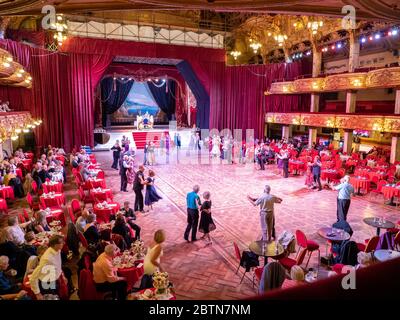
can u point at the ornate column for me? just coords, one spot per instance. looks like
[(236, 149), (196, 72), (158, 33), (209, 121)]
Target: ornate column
[(354, 54), (286, 132), (395, 149), (312, 136), (351, 100), (397, 102), (348, 141)]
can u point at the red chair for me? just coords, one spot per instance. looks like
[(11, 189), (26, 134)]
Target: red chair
[(21, 218), (118, 241), (34, 187), (288, 262), (370, 246), (26, 215), (100, 175), (71, 215), (309, 245), (378, 189), (32, 205), (85, 198), (82, 239), (76, 206), (87, 287)]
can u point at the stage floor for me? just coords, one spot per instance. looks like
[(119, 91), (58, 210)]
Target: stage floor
[(199, 271)]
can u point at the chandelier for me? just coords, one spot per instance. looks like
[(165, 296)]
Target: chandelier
[(60, 28), (6, 61), (255, 45), (235, 54), (280, 38), (315, 25)]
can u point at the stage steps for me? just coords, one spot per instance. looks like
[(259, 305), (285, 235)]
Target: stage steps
[(139, 137)]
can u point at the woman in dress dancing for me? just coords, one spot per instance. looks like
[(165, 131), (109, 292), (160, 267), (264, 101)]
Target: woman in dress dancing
[(206, 221), (151, 193), (216, 142), (130, 172)]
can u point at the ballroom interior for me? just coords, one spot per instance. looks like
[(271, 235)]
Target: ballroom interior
[(107, 106)]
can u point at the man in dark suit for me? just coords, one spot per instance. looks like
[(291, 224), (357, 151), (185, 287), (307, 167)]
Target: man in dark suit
[(138, 184)]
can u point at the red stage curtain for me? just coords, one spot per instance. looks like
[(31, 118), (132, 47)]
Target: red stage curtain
[(237, 95), (62, 94)]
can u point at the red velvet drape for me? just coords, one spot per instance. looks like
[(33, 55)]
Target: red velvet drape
[(237, 95), (62, 94)]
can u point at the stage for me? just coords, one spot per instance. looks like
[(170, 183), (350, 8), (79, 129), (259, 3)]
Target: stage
[(138, 137)]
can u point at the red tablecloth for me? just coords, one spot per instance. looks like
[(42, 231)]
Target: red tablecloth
[(49, 187), (296, 166), (351, 162), (27, 163), (329, 175), (7, 193), (361, 183), (3, 205), (328, 164), (56, 200), (18, 171), (103, 215), (377, 175), (56, 214), (389, 192), (102, 195), (132, 275)]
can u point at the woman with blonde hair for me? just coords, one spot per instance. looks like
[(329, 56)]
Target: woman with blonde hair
[(152, 260), (296, 277)]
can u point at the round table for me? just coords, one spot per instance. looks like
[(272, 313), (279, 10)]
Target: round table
[(132, 275), (266, 249), (389, 192), (102, 194), (333, 234), (103, 214), (295, 166), (376, 223), (7, 192), (351, 162), (384, 255), (328, 164), (53, 187), (95, 183), (360, 183), (329, 175), (56, 214), (52, 200)]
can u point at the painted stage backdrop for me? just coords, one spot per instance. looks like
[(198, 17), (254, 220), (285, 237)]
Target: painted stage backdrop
[(139, 101)]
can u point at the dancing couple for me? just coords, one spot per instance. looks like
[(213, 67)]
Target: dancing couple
[(194, 205), (151, 195)]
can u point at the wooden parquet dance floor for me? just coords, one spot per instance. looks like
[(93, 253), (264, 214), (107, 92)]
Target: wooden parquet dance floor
[(199, 271)]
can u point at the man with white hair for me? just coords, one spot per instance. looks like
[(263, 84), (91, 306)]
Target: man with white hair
[(105, 274), (343, 200), (15, 233), (267, 218)]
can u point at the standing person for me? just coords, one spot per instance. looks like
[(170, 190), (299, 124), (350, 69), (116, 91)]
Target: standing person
[(179, 141), (138, 184), (267, 218), (343, 200), (151, 193), (130, 172), (122, 172), (162, 144), (206, 222), (197, 141), (316, 171), (116, 154), (105, 274), (145, 152), (123, 141), (152, 260), (167, 143), (193, 205), (48, 275)]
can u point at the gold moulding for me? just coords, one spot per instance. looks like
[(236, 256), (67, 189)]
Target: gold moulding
[(359, 122)]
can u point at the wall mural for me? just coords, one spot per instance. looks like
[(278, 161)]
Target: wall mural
[(139, 101)]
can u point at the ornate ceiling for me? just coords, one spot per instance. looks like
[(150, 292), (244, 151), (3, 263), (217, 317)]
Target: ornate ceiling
[(365, 9)]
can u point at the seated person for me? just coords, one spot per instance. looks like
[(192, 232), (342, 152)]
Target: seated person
[(85, 173), (75, 162), (105, 274), (15, 233), (7, 285), (296, 277), (12, 180), (40, 224), (90, 231), (33, 260), (130, 217), (272, 277), (121, 228), (82, 220)]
